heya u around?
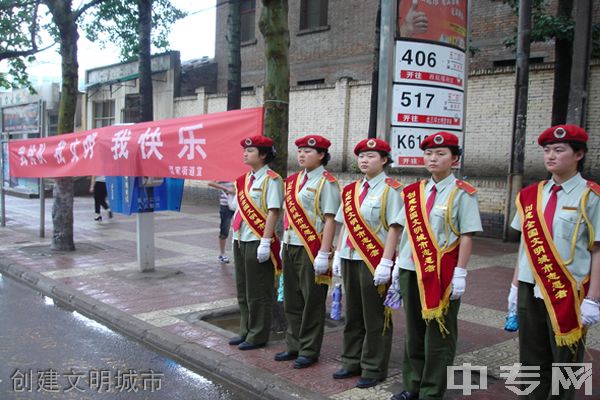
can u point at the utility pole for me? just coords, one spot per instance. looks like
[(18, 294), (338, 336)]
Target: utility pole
[(517, 155), (582, 48)]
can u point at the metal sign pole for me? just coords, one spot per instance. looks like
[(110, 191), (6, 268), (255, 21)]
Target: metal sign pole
[(2, 192), (41, 191), (145, 240), (386, 67)]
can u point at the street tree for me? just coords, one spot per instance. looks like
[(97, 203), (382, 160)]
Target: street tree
[(560, 28), (273, 25), (134, 27)]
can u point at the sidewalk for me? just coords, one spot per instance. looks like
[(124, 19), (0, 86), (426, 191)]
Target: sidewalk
[(167, 308)]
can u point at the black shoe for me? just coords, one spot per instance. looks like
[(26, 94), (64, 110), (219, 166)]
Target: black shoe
[(234, 341), (250, 346), (98, 218), (285, 356), (304, 362), (110, 214), (364, 383), (405, 395), (345, 374)]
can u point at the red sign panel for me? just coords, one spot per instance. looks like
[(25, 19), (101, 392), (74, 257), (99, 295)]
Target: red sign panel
[(204, 147)]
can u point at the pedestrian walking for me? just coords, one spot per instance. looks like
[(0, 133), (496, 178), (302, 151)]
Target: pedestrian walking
[(98, 189), (255, 246), (312, 197), (556, 284), (370, 212), (441, 215)]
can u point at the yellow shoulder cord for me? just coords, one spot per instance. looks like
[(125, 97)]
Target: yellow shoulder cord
[(582, 215), (383, 212), (317, 208), (448, 225), (263, 195)]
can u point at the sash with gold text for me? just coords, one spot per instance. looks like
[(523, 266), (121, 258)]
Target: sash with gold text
[(255, 218), (299, 220), (434, 266), (364, 240), (557, 285)]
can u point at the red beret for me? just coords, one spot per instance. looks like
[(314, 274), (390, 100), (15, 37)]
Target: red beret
[(314, 141), (440, 139), (372, 145), (563, 133), (257, 141)]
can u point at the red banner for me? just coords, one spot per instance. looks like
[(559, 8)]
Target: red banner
[(204, 147)]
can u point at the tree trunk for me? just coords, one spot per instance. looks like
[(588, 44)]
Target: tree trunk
[(375, 77), (274, 28), (234, 64), (273, 25), (145, 66), (563, 55), (62, 209)]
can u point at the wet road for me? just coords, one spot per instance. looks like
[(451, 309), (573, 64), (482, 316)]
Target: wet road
[(48, 352)]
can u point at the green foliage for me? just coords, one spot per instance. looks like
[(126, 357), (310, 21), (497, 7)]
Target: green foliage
[(115, 22), (548, 27), (20, 39)]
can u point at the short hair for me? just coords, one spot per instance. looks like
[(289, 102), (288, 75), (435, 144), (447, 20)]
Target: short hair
[(389, 160), (579, 146)]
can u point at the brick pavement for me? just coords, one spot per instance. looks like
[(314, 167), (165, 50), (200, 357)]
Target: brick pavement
[(190, 284)]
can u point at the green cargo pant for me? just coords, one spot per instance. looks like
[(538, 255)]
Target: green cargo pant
[(366, 346), (254, 282), (537, 346), (303, 302), (427, 353)]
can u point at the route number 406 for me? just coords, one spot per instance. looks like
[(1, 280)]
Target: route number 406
[(421, 58)]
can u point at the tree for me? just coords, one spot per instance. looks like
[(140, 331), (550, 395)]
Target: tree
[(65, 20), (135, 26), (145, 59), (20, 27), (234, 62), (273, 25), (560, 28)]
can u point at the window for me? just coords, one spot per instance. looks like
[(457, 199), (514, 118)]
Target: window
[(313, 14), (132, 110), (104, 113), (247, 17)]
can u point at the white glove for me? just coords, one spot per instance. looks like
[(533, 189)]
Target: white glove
[(337, 265), (537, 293), (459, 283), (263, 253), (383, 272), (590, 312), (512, 299), (321, 263)]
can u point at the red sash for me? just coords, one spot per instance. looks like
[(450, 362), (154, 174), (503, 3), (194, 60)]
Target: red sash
[(434, 265), (255, 218), (299, 220), (557, 285), (364, 240)]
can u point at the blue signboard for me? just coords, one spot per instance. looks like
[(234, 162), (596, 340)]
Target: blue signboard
[(128, 194)]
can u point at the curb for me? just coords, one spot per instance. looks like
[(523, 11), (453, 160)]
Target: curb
[(255, 383)]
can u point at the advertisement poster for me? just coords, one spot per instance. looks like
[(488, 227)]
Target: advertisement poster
[(443, 21)]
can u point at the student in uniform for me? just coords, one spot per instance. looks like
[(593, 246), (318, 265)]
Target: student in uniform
[(370, 213), (312, 197), (556, 284), (255, 246), (440, 217)]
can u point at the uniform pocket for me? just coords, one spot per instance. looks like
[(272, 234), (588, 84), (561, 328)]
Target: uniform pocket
[(565, 224)]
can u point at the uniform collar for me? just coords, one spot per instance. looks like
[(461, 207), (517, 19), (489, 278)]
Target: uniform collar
[(374, 181), (441, 185), (261, 172), (567, 186), (315, 172)]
